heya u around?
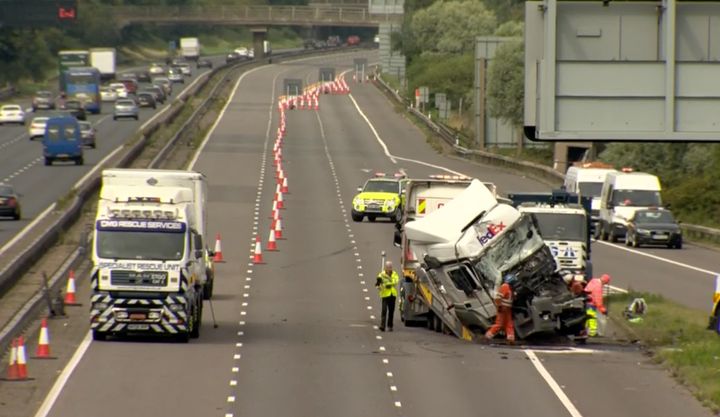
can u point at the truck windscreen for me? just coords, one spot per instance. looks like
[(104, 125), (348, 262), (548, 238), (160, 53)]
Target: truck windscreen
[(556, 226), (512, 248), (140, 245), (590, 189)]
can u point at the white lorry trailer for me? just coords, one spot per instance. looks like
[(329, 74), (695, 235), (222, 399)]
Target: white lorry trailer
[(190, 48), (151, 265), (104, 59), (466, 248)]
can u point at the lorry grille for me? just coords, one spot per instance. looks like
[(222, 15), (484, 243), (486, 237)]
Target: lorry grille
[(139, 278)]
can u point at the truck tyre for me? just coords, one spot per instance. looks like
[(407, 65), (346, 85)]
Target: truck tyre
[(195, 333), (430, 324), (208, 289), (438, 324), (99, 336)]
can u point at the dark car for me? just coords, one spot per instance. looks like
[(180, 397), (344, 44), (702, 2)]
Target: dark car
[(653, 226), (88, 132), (143, 76), (158, 92), (9, 202), (232, 57), (75, 108), (43, 100), (204, 63), (146, 99)]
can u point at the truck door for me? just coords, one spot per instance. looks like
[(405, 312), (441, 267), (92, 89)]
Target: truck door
[(475, 305)]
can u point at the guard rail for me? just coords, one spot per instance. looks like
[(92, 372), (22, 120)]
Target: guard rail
[(691, 231)]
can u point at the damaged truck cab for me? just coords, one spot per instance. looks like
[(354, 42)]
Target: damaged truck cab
[(466, 248)]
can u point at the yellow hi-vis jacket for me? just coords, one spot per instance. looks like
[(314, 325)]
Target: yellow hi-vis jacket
[(388, 284)]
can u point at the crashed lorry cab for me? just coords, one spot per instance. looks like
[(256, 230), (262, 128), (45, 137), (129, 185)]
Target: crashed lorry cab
[(468, 246), (151, 269)]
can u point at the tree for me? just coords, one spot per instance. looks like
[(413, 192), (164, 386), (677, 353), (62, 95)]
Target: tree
[(506, 83), (450, 27)]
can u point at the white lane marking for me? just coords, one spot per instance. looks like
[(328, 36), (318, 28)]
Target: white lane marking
[(27, 228), (657, 258), (64, 377), (552, 384)]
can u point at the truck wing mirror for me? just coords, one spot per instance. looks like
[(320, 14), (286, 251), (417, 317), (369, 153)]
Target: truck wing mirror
[(397, 238)]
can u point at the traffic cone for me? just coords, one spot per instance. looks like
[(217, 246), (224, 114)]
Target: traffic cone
[(70, 299), (22, 370), (279, 198), (257, 257), (302, 103), (281, 176), (272, 246), (43, 347), (12, 370), (317, 103), (275, 218), (218, 250), (278, 229), (284, 187)]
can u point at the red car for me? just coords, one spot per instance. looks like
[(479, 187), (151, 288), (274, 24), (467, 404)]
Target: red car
[(130, 84), (353, 40)]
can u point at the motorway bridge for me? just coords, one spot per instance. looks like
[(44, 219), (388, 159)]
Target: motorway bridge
[(313, 15), (297, 336)]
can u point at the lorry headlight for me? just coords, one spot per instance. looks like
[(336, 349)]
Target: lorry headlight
[(154, 315), (177, 307), (122, 315)]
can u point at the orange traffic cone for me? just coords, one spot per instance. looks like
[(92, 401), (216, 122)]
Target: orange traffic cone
[(272, 246), (70, 299), (279, 198), (218, 250), (281, 175), (278, 229), (22, 369), (257, 256), (43, 347), (12, 370), (317, 103), (284, 187), (275, 217)]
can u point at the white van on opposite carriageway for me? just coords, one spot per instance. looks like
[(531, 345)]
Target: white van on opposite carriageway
[(587, 180), (622, 194)]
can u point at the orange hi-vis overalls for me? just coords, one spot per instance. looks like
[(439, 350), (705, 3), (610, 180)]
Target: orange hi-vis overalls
[(503, 319)]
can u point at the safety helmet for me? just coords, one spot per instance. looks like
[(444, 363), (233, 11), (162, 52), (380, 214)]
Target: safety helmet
[(510, 278)]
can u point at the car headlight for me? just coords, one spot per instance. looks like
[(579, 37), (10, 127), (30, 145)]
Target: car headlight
[(643, 231), (390, 204)]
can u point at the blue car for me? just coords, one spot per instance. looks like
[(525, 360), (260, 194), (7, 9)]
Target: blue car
[(63, 140)]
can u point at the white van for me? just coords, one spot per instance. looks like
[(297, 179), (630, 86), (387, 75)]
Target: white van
[(587, 181), (622, 194)]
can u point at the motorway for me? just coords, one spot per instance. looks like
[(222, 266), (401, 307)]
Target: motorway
[(296, 336), (21, 161)]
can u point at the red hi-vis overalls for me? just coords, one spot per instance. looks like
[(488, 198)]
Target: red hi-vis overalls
[(503, 319)]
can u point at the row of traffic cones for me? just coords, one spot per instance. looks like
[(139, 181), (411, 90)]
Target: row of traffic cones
[(17, 369)]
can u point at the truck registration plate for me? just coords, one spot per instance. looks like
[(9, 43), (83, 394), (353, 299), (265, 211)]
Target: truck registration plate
[(138, 326), (138, 316)]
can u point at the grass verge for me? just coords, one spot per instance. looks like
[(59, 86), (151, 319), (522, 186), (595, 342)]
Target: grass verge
[(676, 337)]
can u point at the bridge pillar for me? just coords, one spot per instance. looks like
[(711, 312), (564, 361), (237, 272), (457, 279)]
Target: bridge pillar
[(259, 36)]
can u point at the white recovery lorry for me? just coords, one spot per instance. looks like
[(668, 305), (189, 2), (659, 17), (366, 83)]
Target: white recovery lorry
[(152, 268), (464, 250)]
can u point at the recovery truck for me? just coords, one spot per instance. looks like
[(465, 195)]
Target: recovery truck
[(467, 247), (422, 197), (151, 268), (565, 221)]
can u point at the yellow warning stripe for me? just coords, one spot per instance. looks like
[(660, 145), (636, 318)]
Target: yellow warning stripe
[(421, 206)]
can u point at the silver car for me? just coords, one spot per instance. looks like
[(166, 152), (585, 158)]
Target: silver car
[(126, 108)]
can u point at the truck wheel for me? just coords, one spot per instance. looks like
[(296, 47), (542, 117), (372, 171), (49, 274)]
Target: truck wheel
[(438, 324), (208, 289), (195, 333), (430, 324), (99, 336)]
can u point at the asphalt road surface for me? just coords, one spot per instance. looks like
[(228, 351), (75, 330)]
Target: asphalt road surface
[(21, 161), (297, 335)]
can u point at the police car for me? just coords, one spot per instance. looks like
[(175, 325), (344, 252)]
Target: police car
[(381, 196)]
